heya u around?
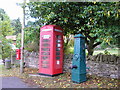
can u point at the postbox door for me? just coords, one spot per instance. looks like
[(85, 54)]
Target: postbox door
[(18, 54)]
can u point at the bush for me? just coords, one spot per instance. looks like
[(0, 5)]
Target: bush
[(106, 52), (32, 47)]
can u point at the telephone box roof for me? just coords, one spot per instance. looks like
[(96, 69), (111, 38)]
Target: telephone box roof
[(51, 27)]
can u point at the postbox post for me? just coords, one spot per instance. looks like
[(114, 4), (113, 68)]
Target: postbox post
[(79, 60)]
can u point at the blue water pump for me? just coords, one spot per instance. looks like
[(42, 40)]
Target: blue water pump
[(79, 60)]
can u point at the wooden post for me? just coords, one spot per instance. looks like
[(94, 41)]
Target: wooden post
[(22, 40), (12, 62)]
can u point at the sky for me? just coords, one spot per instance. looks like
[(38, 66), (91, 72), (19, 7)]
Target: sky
[(12, 9)]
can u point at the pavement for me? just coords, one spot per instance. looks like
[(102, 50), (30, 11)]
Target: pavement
[(13, 82)]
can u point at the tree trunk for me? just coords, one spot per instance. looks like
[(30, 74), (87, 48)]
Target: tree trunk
[(90, 50), (91, 45)]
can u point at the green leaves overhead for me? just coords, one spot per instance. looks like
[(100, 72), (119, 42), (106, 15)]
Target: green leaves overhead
[(73, 15), (92, 19), (5, 30), (17, 26)]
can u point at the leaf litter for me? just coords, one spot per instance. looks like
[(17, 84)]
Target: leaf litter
[(61, 81)]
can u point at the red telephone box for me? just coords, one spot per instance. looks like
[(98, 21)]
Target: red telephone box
[(51, 50), (18, 54)]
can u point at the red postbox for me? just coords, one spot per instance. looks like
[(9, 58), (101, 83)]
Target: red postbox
[(51, 50), (18, 54)]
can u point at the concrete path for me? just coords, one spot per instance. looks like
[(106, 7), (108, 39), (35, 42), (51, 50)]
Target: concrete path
[(13, 82)]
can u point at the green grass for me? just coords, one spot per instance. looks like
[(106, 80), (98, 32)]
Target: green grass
[(111, 51), (0, 56)]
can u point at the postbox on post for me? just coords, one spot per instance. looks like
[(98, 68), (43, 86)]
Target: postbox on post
[(79, 60), (18, 54), (51, 50)]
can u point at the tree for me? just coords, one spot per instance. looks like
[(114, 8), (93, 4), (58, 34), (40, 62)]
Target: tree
[(31, 40), (2, 13), (17, 26), (5, 29), (89, 18)]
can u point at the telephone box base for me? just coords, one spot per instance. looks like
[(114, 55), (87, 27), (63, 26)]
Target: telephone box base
[(50, 75)]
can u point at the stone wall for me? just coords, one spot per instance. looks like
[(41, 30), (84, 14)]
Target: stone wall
[(101, 65), (31, 59), (108, 59), (102, 69)]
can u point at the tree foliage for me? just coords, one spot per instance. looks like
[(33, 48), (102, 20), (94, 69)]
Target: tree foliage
[(92, 19), (5, 29), (31, 40), (17, 26)]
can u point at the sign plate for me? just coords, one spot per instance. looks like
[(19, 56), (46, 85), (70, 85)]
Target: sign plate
[(58, 30), (46, 29)]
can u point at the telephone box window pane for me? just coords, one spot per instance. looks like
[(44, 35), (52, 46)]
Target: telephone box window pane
[(57, 53), (58, 41), (45, 49), (45, 66), (45, 62), (58, 37), (45, 57), (45, 53), (58, 45), (45, 45), (46, 36), (45, 40), (57, 58), (57, 49)]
